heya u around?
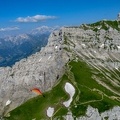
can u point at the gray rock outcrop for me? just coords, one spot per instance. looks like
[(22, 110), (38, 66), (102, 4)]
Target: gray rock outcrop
[(93, 114), (119, 16)]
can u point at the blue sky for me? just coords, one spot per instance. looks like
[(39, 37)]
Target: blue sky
[(23, 15)]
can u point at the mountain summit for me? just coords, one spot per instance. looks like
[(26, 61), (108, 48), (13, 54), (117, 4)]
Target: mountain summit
[(78, 70)]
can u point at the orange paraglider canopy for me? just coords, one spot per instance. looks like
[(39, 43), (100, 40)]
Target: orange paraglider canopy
[(37, 91)]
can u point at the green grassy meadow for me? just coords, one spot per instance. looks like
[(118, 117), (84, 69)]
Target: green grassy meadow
[(88, 92)]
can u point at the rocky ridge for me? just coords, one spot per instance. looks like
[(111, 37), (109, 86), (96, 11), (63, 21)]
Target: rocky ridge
[(98, 47)]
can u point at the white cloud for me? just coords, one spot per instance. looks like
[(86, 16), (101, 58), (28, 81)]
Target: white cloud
[(36, 18), (9, 29)]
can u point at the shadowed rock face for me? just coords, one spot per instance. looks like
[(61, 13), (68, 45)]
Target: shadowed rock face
[(99, 48)]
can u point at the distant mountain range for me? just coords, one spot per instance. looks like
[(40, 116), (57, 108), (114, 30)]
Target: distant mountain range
[(14, 48)]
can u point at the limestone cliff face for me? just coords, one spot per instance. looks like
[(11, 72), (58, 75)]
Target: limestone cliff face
[(97, 46), (99, 49), (39, 70)]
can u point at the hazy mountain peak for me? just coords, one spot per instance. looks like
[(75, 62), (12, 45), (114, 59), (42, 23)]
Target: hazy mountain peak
[(44, 29)]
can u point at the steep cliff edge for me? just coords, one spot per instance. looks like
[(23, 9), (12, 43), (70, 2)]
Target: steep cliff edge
[(98, 45), (39, 70)]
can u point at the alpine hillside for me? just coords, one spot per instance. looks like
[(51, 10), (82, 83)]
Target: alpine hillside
[(78, 71)]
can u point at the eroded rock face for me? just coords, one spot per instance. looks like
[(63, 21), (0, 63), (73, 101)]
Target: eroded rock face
[(39, 70), (93, 114), (100, 50)]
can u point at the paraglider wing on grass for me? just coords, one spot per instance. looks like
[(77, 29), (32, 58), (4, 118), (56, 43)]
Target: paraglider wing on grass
[(37, 91)]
